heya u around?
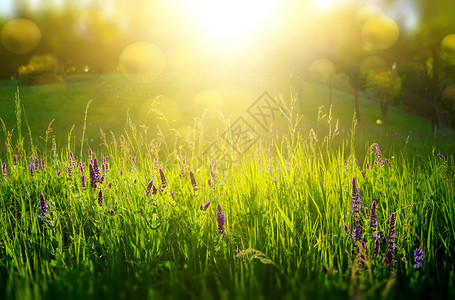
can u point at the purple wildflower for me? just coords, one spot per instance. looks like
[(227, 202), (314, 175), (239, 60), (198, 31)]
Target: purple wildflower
[(193, 181), (356, 204), (205, 206), (357, 234), (357, 163), (70, 170), (83, 183), (92, 177), (163, 178), (441, 157), (36, 161), (389, 261), (72, 159), (81, 168), (4, 170), (367, 166), (418, 258), (377, 245), (96, 169), (346, 229), (43, 163), (59, 173), (387, 161), (43, 207), (378, 155), (100, 198), (121, 172), (220, 219), (391, 233), (32, 167), (133, 160), (15, 159), (373, 218), (112, 212), (151, 188)]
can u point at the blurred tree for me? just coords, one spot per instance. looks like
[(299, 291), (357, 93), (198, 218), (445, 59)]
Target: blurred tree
[(324, 70), (385, 85), (435, 68)]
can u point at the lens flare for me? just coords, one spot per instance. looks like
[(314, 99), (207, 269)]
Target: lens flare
[(142, 62), (380, 32), (20, 36), (448, 45), (366, 12)]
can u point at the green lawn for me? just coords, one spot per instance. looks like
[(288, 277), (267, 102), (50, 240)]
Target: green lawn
[(114, 97)]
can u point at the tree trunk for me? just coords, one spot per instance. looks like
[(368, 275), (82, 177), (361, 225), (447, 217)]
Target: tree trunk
[(384, 108)]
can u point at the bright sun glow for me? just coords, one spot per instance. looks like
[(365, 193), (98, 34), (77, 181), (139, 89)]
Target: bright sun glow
[(232, 21), (324, 5)]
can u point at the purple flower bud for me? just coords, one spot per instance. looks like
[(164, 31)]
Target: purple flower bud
[(43, 207), (346, 229), (83, 183), (205, 206), (389, 261), (418, 258), (43, 163), (15, 159), (100, 198), (391, 233), (36, 161), (112, 212), (4, 170), (163, 178), (81, 168), (387, 161), (377, 245), (149, 187), (220, 219), (92, 177), (193, 181), (70, 175), (357, 163), (378, 155), (367, 166), (32, 167), (357, 234), (373, 219), (96, 169)]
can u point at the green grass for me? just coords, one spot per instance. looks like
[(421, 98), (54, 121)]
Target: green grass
[(286, 201), (114, 97)]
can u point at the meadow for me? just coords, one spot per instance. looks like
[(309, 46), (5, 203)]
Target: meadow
[(315, 209)]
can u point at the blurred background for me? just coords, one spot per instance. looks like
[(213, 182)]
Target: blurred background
[(184, 58)]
